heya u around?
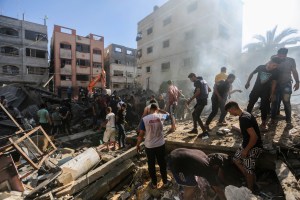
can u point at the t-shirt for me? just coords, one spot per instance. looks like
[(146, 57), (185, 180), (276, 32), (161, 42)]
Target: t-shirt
[(264, 78), (285, 69), (221, 76), (153, 126), (223, 88), (110, 117), (161, 103), (202, 85), (121, 116), (56, 118), (247, 120), (192, 162), (42, 114)]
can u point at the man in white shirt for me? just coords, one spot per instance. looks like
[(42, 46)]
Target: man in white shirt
[(110, 129)]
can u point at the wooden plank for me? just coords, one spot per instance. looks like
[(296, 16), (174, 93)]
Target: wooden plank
[(46, 135), (101, 187), (26, 135)]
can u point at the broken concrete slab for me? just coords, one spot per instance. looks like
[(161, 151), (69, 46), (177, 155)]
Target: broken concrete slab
[(76, 136)]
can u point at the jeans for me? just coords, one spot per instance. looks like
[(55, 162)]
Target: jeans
[(216, 104), (171, 110), (157, 153), (283, 93), (265, 102), (121, 135), (196, 114)]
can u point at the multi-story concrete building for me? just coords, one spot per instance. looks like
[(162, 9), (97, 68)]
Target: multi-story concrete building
[(23, 51), (76, 60), (184, 36), (120, 67)]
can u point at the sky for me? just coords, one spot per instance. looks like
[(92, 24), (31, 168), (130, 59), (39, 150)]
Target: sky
[(117, 20)]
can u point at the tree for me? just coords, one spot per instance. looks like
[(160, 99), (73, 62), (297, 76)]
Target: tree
[(272, 41)]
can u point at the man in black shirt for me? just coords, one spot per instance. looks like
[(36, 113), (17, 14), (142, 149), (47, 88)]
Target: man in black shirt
[(219, 97), (121, 125), (187, 165), (245, 157), (264, 88)]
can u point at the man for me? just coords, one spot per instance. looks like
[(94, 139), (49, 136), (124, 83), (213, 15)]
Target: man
[(187, 165), (246, 156), (121, 125), (173, 95), (284, 86), (221, 76), (66, 115), (200, 94), (151, 127), (44, 118), (219, 97), (161, 102), (264, 88), (110, 129)]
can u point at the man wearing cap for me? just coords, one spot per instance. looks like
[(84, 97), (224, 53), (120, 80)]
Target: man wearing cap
[(187, 165), (284, 86)]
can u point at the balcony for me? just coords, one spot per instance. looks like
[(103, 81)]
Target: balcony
[(83, 70), (65, 83), (85, 56), (97, 58), (82, 83), (96, 71), (67, 69), (65, 53)]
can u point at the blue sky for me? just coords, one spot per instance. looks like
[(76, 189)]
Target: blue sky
[(116, 20)]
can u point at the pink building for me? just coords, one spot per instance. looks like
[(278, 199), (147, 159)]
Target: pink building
[(76, 59)]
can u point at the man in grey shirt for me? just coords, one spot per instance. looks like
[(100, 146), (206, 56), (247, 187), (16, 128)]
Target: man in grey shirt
[(284, 84)]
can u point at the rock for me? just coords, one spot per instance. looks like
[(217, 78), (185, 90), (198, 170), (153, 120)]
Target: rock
[(235, 193), (124, 195)]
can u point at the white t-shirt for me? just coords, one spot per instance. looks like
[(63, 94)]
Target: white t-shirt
[(153, 126), (110, 117)]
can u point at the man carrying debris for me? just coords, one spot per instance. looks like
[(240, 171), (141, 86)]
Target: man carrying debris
[(264, 88), (173, 95), (200, 94), (110, 129), (246, 156), (152, 128), (187, 165)]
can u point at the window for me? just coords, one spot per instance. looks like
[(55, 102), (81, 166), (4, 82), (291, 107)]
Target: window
[(118, 49), (149, 50), (223, 32), (97, 64), (115, 85), (149, 30), (129, 74), (189, 35), (97, 51), (65, 77), (139, 53), (148, 69), (188, 62), (35, 36), (10, 70), (9, 31), (83, 48), (65, 46), (166, 43), (82, 62), (64, 62), (9, 51), (129, 52), (36, 70), (165, 67), (118, 73), (36, 53), (192, 7), (82, 77), (118, 62), (138, 36), (167, 21)]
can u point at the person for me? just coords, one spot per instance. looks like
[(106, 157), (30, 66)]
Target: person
[(187, 165), (110, 129), (44, 118), (200, 94), (284, 86), (246, 156), (3, 101), (151, 127), (15, 112), (57, 122), (219, 97), (221, 76), (66, 115), (121, 125), (173, 95), (69, 92), (264, 88), (161, 102), (95, 111), (151, 98)]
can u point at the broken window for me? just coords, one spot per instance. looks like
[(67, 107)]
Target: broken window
[(129, 52), (189, 35), (187, 62), (97, 51), (118, 73), (9, 51), (9, 31), (118, 49), (192, 7), (83, 48), (64, 62), (10, 70), (65, 46), (166, 43), (97, 64), (149, 50), (148, 69), (118, 62), (36, 70), (82, 62), (149, 30), (165, 67), (35, 36), (129, 74), (36, 53), (167, 21), (81, 77), (139, 53)]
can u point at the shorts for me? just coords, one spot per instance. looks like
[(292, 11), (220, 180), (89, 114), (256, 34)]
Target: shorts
[(109, 134), (185, 180), (250, 161)]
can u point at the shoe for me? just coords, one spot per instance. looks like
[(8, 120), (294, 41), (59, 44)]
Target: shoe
[(205, 136), (222, 124), (289, 124), (207, 127), (168, 184), (193, 131)]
